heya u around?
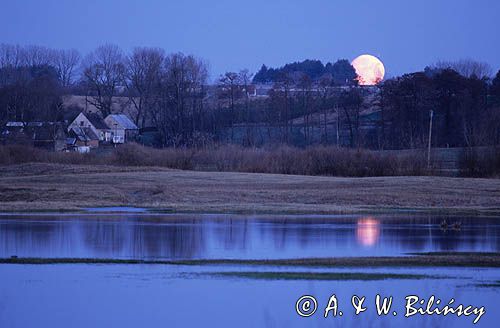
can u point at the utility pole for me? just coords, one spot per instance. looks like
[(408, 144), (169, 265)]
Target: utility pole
[(338, 125), (430, 139)]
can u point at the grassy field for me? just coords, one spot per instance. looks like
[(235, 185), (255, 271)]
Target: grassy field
[(47, 187)]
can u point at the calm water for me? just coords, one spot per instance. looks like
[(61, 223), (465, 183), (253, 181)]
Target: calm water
[(67, 295), (197, 236), (164, 296)]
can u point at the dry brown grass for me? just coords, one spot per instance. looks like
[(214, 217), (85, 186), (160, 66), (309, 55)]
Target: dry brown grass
[(475, 259), (72, 187), (475, 163), (319, 160)]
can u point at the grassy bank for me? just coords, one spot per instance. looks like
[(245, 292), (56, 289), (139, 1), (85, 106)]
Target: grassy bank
[(423, 260), (46, 187), (321, 276)]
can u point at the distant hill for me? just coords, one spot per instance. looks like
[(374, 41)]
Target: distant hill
[(339, 73)]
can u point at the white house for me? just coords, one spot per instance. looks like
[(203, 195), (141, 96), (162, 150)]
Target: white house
[(121, 127), (94, 123)]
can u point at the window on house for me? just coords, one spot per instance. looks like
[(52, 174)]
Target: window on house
[(81, 123)]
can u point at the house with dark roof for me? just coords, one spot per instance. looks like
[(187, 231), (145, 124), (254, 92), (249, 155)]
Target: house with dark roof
[(82, 137), (122, 128), (93, 122)]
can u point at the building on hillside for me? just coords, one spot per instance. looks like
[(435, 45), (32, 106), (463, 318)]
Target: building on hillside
[(122, 128), (45, 135), (13, 134), (93, 122), (115, 128), (82, 137)]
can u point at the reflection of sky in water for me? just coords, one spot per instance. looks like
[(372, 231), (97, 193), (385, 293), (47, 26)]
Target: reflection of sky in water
[(187, 296), (197, 236), (164, 296)]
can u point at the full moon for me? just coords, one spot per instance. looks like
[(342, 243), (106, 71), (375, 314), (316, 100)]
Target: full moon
[(369, 69)]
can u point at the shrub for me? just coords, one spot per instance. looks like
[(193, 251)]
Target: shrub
[(320, 160), (486, 163)]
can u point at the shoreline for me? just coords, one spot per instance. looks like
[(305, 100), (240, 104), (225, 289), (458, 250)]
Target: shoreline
[(449, 259), (154, 212)]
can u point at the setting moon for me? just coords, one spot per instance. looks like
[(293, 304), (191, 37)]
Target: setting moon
[(370, 69)]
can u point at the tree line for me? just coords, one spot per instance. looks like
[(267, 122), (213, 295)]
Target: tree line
[(340, 72), (168, 90), (304, 103), (465, 109)]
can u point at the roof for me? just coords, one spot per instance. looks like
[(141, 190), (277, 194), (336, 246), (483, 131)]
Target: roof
[(97, 121), (14, 124), (36, 124), (123, 121), (70, 141), (70, 114), (83, 134), (35, 131)]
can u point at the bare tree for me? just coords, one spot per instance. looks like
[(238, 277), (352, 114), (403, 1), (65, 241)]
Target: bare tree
[(466, 67), (245, 78), (182, 84), (350, 103), (143, 78), (66, 63), (280, 101), (324, 88), (10, 55), (231, 90), (33, 55), (198, 74), (103, 72), (305, 85)]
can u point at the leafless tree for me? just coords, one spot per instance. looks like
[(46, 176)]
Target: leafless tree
[(10, 55), (198, 76), (245, 78), (181, 91), (66, 63), (325, 93), (33, 55), (143, 78), (280, 101), (350, 103), (231, 90), (305, 85), (103, 73), (467, 67)]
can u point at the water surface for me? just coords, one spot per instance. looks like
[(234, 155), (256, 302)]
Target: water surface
[(197, 236), (110, 295), (126, 296)]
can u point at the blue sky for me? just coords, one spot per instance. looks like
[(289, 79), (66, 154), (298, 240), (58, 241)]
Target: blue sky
[(233, 34)]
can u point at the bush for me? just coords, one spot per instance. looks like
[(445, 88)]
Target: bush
[(21, 154), (320, 160), (131, 155), (486, 163)]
